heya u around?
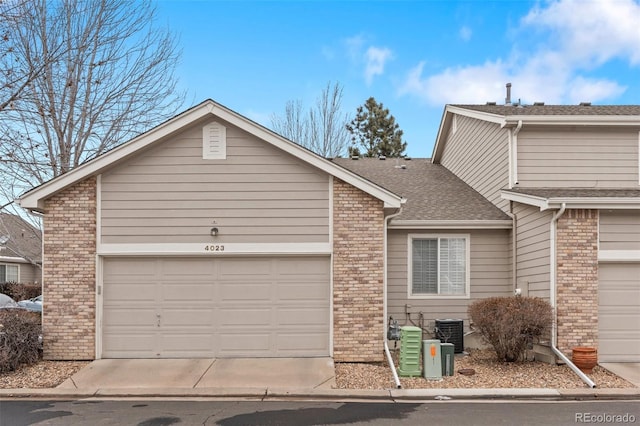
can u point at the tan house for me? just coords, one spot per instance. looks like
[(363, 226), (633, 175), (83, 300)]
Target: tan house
[(20, 250), (211, 236), (569, 177)]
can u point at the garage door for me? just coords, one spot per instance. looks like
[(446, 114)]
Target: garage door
[(619, 313), (215, 307)]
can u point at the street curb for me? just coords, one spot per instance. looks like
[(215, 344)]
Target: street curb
[(389, 395)]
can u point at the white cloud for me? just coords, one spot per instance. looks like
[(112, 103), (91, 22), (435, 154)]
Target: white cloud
[(465, 33), (577, 37), (376, 58), (591, 31), (457, 85), (362, 54)]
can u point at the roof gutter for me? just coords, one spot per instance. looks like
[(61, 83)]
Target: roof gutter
[(552, 298)]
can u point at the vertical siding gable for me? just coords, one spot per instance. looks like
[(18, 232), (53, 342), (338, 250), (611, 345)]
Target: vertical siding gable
[(478, 153), (169, 193)]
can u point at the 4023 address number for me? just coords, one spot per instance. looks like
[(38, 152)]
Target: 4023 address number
[(214, 247)]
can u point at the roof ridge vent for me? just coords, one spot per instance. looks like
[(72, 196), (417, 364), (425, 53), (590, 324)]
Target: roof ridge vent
[(382, 157), (491, 103), (538, 104), (585, 103)]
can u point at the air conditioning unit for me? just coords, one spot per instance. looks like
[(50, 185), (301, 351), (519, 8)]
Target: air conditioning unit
[(451, 331)]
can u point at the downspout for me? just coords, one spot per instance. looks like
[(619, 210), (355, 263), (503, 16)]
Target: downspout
[(514, 246), (552, 298), (384, 296), (515, 152)]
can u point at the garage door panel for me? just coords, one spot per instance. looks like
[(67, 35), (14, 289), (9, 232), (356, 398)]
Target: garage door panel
[(307, 291), (243, 345), (289, 343), (244, 292), (125, 317), (240, 307), (619, 312), (245, 317), (302, 316)]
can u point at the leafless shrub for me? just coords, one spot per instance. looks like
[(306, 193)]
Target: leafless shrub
[(19, 338), (20, 291), (510, 323)]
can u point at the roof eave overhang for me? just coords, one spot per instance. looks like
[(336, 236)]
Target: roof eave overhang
[(555, 203), (451, 224), (572, 120), (34, 199)]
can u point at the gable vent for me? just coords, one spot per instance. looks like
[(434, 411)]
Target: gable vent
[(214, 142)]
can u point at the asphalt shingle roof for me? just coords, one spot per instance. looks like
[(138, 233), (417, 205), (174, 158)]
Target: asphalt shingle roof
[(584, 110), (432, 191), (24, 240)]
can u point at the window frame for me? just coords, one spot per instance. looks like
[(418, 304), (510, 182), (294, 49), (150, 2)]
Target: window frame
[(467, 291), (5, 265)]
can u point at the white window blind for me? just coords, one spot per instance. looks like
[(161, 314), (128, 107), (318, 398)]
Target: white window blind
[(439, 266), (8, 273)]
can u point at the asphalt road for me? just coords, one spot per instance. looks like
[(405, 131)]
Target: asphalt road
[(235, 413)]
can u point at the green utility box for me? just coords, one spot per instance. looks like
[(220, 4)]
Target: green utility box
[(409, 362), (447, 355)]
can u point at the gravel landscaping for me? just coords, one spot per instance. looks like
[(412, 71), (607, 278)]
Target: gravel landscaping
[(490, 373)]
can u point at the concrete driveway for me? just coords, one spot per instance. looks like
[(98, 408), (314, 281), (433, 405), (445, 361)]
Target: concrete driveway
[(255, 373), (630, 371)]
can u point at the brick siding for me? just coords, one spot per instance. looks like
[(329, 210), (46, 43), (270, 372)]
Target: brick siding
[(577, 279), (358, 275), (69, 274)]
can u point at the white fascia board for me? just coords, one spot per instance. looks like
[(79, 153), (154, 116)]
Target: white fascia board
[(213, 249), (594, 203), (619, 256), (34, 198), (575, 120), (573, 202), (11, 259), (451, 224), (525, 199)]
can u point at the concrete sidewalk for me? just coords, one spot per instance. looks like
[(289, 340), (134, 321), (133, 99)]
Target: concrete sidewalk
[(264, 378)]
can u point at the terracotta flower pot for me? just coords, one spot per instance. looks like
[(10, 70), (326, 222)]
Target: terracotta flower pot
[(585, 358)]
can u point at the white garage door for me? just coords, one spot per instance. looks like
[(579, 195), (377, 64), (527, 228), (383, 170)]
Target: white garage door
[(619, 313), (215, 307)]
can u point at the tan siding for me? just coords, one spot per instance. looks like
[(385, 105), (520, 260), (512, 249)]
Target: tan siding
[(171, 195), (596, 158), (30, 273), (478, 153), (533, 250), (490, 276), (620, 230)]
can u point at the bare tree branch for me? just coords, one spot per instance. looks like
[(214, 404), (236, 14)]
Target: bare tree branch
[(109, 77), (322, 129)]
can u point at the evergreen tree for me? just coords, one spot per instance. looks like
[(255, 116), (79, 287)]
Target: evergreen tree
[(376, 130)]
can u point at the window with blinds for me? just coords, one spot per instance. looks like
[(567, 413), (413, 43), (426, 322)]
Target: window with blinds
[(439, 266), (9, 273)]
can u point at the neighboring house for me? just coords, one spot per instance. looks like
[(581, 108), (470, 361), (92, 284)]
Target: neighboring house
[(20, 250), (569, 177), (211, 236)]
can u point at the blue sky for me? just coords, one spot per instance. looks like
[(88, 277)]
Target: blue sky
[(413, 56)]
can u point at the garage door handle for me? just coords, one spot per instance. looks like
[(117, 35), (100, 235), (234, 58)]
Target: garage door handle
[(158, 315)]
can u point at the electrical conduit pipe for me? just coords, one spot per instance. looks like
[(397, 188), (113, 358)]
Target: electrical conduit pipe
[(552, 296)]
